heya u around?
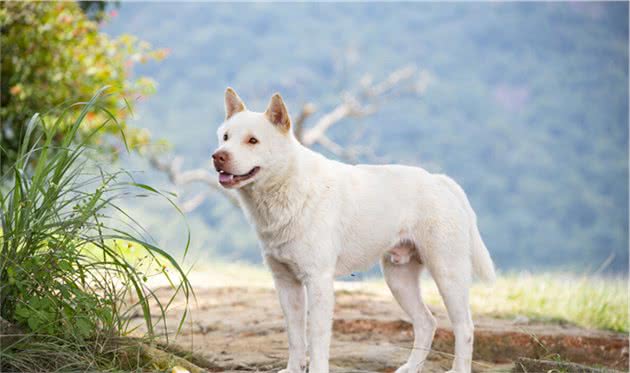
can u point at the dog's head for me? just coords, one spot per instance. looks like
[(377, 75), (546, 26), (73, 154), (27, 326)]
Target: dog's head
[(252, 145)]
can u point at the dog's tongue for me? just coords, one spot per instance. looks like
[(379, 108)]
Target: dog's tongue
[(225, 178)]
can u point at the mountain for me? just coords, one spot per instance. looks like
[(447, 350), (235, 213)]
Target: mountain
[(527, 107)]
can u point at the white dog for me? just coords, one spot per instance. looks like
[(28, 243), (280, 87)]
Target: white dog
[(318, 218)]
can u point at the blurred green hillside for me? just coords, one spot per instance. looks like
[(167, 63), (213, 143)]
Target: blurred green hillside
[(527, 107)]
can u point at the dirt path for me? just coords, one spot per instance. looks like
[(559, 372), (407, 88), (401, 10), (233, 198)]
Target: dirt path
[(242, 328)]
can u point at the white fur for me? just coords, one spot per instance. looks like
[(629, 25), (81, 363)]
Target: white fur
[(318, 218)]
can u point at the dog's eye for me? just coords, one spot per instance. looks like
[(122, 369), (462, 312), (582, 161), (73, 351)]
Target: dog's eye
[(225, 137), (253, 140)]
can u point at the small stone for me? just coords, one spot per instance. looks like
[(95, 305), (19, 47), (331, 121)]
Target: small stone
[(520, 319)]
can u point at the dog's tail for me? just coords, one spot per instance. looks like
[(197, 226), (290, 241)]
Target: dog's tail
[(483, 267), (482, 262)]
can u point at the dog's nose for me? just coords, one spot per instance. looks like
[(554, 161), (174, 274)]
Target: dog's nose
[(220, 157)]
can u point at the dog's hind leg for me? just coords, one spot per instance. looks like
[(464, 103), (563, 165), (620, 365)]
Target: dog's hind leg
[(453, 278), (404, 282), (455, 296)]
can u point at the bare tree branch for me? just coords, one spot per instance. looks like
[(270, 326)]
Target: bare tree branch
[(313, 134), (392, 81), (298, 126), (192, 203), (362, 104)]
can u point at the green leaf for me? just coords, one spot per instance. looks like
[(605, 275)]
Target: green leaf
[(84, 326), (65, 265), (34, 322), (22, 312)]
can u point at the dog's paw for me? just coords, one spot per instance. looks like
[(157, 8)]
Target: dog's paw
[(287, 370), (404, 369)]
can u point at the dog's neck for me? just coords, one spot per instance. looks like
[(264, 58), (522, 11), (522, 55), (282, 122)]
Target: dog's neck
[(274, 201)]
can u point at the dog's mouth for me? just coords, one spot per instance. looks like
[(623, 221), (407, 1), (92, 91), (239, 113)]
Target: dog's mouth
[(227, 179)]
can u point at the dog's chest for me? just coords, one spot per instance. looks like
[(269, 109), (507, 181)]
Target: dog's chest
[(292, 240), (292, 226), (276, 228)]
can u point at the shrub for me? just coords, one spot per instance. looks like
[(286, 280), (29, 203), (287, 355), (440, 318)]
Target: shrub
[(51, 52)]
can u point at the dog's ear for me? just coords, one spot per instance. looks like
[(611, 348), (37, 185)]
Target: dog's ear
[(278, 114), (233, 103)]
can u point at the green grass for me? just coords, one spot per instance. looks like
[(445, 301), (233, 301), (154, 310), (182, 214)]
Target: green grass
[(588, 301)]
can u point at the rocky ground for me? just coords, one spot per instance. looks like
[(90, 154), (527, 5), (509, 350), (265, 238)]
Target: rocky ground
[(240, 328)]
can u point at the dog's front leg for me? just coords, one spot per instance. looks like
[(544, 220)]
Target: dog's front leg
[(293, 303), (321, 299)]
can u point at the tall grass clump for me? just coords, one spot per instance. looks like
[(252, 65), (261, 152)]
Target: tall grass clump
[(65, 285)]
